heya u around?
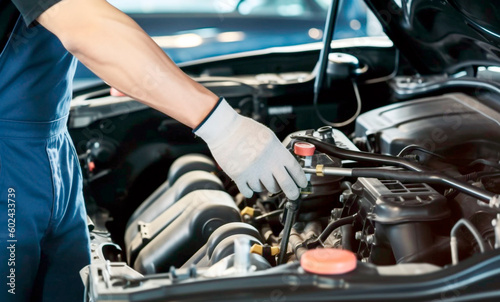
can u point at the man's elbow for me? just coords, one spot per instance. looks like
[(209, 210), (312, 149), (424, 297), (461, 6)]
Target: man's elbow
[(75, 43)]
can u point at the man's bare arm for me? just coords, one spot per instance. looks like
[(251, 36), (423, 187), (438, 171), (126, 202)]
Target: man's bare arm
[(115, 48)]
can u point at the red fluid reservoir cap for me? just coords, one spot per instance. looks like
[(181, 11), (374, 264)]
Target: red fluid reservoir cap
[(115, 92), (304, 149), (91, 166), (328, 261)]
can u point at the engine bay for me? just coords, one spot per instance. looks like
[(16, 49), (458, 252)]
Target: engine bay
[(399, 138), (413, 190), (385, 216)]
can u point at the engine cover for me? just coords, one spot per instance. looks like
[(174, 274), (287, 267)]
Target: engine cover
[(403, 219), (451, 122)]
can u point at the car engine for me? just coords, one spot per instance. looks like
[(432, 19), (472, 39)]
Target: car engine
[(387, 209), (416, 182)]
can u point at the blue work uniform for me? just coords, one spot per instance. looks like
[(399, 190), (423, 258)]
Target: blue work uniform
[(44, 238)]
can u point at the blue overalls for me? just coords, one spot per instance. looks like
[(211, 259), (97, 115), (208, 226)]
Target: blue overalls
[(44, 239)]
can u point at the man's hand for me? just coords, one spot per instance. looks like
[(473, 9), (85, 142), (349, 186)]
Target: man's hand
[(250, 153)]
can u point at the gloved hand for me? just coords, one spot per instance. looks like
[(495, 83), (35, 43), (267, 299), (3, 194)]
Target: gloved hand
[(250, 153)]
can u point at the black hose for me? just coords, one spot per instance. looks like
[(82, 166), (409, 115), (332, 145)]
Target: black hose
[(332, 226), (478, 175), (427, 177), (359, 155), (410, 176), (297, 243), (485, 162)]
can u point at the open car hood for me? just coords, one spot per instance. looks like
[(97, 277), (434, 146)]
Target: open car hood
[(442, 36)]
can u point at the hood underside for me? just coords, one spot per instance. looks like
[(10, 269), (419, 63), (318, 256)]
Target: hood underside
[(442, 36)]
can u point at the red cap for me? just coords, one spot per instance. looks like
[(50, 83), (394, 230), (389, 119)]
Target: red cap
[(328, 261), (304, 149), (91, 166), (115, 92)]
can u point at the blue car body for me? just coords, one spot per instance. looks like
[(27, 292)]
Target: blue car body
[(193, 35)]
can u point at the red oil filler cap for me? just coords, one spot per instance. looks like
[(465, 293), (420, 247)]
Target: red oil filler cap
[(328, 261), (304, 149)]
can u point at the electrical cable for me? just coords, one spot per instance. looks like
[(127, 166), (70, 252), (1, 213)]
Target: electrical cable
[(349, 120), (410, 148), (453, 239), (270, 214), (389, 76), (323, 61)]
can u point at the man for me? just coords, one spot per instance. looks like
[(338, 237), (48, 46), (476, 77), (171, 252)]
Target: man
[(42, 215)]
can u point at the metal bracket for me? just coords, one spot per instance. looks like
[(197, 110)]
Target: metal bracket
[(143, 228)]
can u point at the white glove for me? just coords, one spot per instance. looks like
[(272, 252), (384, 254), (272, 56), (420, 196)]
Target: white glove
[(250, 153)]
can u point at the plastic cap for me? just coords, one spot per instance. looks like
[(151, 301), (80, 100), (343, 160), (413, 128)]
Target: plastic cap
[(328, 261), (247, 211), (91, 166), (304, 149)]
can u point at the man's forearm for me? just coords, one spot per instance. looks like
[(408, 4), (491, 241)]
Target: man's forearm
[(115, 48)]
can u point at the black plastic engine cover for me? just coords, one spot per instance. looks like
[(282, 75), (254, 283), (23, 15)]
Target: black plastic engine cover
[(402, 217), (455, 124), (189, 182), (392, 202), (182, 165), (184, 228)]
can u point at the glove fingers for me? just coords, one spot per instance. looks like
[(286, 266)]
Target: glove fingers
[(270, 183), (245, 189), (296, 172), (287, 184), (256, 186)]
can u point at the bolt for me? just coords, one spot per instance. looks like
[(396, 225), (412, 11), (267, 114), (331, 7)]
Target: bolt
[(341, 198), (370, 239), (358, 235)]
